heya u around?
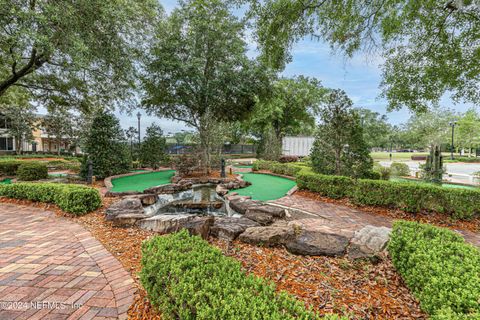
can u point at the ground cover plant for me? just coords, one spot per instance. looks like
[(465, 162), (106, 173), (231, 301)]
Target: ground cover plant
[(32, 171), (76, 199), (187, 278), (438, 266)]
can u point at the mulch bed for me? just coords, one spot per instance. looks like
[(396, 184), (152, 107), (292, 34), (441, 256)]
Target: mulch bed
[(436, 219), (360, 290)]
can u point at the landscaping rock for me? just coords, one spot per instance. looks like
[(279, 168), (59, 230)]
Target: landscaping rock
[(268, 236), (148, 199), (221, 190), (126, 212), (229, 228), (323, 241), (168, 188), (369, 242), (200, 226), (264, 214), (241, 205), (167, 223)]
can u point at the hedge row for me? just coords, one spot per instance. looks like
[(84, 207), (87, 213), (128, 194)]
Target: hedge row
[(10, 167), (459, 203), (32, 171), (70, 198), (287, 169), (442, 270), (186, 278)]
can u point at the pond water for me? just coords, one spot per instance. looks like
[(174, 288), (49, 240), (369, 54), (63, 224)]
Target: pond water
[(199, 200)]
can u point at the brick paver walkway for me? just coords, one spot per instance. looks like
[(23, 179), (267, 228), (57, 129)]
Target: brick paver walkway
[(316, 214), (52, 268)]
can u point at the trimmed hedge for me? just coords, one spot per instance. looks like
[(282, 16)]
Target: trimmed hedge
[(442, 270), (399, 169), (459, 203), (186, 278), (70, 198), (10, 167), (287, 169), (32, 171)]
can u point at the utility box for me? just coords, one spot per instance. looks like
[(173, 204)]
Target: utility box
[(297, 146)]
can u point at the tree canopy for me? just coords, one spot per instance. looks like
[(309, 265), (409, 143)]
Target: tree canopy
[(431, 48), (199, 72), (152, 150), (73, 53)]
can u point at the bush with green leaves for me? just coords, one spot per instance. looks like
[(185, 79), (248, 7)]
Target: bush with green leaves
[(70, 198), (442, 270), (186, 278), (399, 169), (10, 167), (32, 171), (106, 147), (287, 169), (411, 197), (327, 185), (383, 173), (152, 149)]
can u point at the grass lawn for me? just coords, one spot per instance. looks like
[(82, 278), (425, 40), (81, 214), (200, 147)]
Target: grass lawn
[(142, 181), (445, 185), (265, 187)]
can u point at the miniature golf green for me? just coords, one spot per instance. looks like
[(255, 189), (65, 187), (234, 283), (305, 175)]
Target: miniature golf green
[(6, 181), (265, 187), (142, 181), (243, 166)]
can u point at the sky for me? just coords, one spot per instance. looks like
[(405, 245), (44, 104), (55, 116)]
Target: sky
[(359, 76)]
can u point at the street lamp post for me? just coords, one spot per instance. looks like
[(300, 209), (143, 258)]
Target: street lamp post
[(139, 115), (452, 124)]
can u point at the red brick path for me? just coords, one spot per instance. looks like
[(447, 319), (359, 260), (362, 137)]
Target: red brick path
[(52, 268), (342, 217)]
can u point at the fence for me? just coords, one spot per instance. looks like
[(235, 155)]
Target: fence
[(226, 149)]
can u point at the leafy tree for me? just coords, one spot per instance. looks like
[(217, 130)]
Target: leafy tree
[(289, 109), (22, 122), (430, 46), (376, 129), (105, 146), (199, 73), (152, 150), (430, 128), (339, 147), (469, 130), (73, 53), (59, 126), (131, 133)]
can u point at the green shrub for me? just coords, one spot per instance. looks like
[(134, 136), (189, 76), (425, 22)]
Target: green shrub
[(70, 198), (32, 171), (410, 197), (64, 165), (287, 169), (399, 169), (383, 172), (326, 185), (10, 167), (186, 278), (442, 270)]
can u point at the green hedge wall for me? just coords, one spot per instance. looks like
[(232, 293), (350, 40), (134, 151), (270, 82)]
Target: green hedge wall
[(10, 167), (32, 171), (186, 278), (70, 198), (288, 169), (442, 270)]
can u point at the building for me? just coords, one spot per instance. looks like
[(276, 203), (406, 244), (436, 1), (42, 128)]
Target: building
[(297, 146), (42, 142)]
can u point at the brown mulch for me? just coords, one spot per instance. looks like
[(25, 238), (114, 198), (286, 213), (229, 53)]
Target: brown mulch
[(360, 290), (437, 219)]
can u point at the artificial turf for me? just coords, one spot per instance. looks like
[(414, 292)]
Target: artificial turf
[(265, 187), (6, 181), (142, 181)]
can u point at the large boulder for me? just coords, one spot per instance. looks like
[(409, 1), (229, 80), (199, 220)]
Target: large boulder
[(229, 228), (126, 212), (168, 188), (369, 242), (321, 241), (166, 223), (241, 204), (146, 199), (267, 236), (200, 226), (265, 214)]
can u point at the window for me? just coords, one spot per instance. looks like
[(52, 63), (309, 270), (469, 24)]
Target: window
[(6, 144)]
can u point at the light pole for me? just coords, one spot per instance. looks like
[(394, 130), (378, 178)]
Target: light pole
[(452, 124), (139, 115)]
